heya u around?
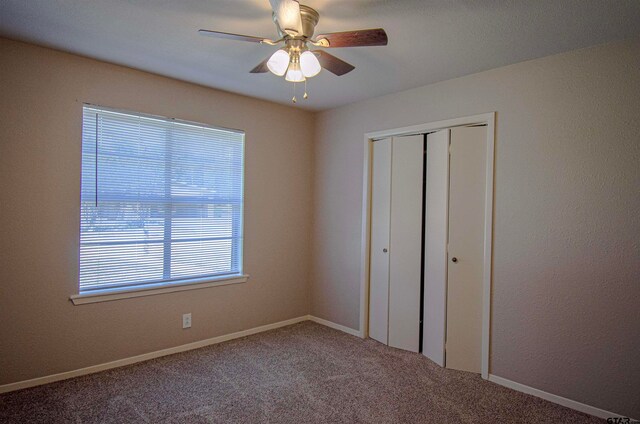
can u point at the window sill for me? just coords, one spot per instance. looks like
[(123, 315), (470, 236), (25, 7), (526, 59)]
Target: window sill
[(108, 295)]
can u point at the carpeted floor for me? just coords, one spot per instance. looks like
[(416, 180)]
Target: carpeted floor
[(304, 373)]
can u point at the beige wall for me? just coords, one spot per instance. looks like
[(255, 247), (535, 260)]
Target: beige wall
[(566, 284), (42, 333)]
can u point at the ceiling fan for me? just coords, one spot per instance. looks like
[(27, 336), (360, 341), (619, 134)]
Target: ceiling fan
[(295, 24)]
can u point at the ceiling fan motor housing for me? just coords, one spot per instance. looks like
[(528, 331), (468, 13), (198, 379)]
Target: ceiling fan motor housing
[(310, 18)]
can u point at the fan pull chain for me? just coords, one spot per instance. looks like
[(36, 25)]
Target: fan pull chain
[(306, 96), (294, 100)]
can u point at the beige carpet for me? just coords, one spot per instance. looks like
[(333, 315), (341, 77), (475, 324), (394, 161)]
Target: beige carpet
[(304, 373)]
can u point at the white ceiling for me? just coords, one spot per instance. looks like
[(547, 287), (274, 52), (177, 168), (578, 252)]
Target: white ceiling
[(429, 40)]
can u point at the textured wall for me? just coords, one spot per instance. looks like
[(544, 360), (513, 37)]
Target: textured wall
[(566, 260), (41, 109)]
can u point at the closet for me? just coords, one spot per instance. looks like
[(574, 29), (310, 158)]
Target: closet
[(428, 196)]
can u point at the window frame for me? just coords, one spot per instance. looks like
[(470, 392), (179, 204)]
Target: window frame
[(123, 291)]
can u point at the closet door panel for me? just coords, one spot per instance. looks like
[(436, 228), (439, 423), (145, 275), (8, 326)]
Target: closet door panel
[(436, 238), (379, 256), (466, 245), (405, 247)]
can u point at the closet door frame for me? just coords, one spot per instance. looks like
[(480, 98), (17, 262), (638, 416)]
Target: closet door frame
[(487, 119)]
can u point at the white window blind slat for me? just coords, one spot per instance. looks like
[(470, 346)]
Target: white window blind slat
[(161, 200)]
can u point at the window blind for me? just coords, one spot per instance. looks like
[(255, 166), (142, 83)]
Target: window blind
[(161, 201)]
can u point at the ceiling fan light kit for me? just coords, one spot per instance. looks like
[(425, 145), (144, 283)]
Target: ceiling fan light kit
[(295, 24)]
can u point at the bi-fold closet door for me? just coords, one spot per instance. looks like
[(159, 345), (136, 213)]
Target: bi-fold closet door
[(442, 250), (396, 241), (454, 246)]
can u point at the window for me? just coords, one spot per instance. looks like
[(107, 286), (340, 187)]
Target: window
[(161, 202)]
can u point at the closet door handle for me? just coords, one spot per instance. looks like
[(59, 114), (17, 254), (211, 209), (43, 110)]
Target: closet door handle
[(454, 259), (384, 250)]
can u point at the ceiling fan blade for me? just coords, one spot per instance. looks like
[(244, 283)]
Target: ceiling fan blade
[(288, 16), (261, 68), (360, 38), (332, 63), (229, 36)]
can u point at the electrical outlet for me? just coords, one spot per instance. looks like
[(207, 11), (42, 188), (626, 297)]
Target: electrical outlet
[(186, 320)]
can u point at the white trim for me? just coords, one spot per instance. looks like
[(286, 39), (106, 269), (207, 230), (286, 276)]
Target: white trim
[(432, 126), (366, 239), (335, 326), (146, 356), (150, 290), (485, 118), (587, 409), (169, 351), (569, 403), (488, 247)]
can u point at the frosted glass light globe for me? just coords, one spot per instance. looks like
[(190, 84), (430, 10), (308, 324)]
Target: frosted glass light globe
[(294, 73), (309, 64), (278, 62)]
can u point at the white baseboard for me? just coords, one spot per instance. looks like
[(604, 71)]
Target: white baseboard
[(587, 409), (169, 351), (592, 410), (146, 356), (333, 325)]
